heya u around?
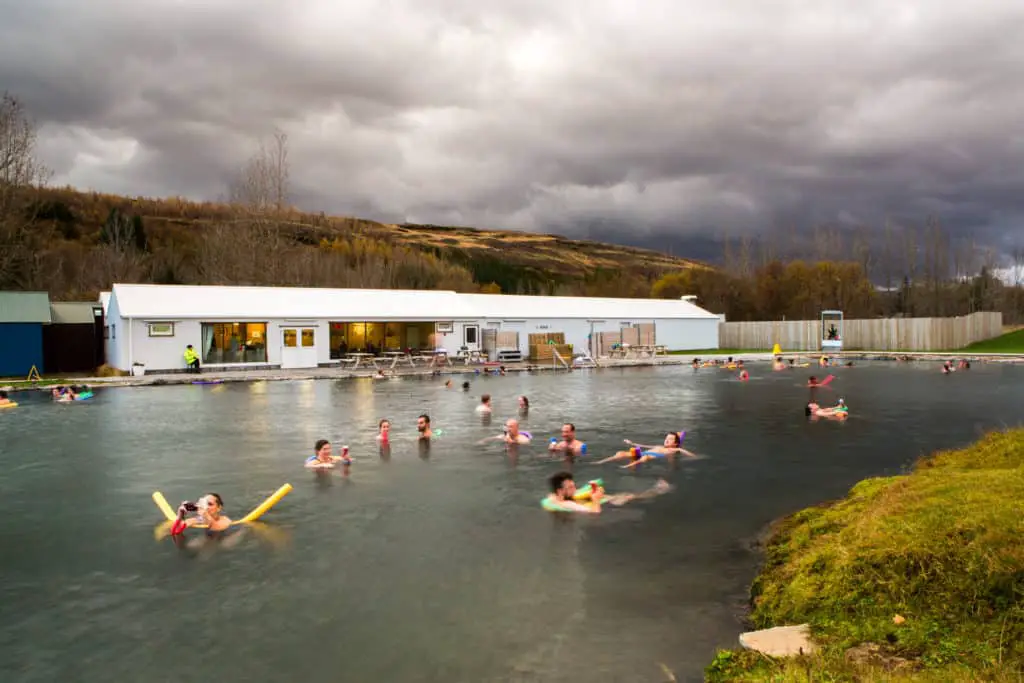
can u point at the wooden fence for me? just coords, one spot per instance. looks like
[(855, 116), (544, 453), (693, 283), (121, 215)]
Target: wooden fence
[(882, 334)]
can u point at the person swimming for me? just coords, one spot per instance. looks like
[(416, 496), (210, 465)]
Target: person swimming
[(384, 432), (563, 492), (485, 404), (639, 453), (511, 435), (744, 375), (4, 400), (524, 406), (323, 459), (209, 510), (423, 427), (569, 445), (840, 412), (778, 364), (465, 386)]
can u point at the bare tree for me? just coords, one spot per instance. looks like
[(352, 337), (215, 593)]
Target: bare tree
[(1017, 256), (20, 171), (263, 183)]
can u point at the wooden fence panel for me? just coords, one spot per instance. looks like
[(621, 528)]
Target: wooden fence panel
[(882, 334)]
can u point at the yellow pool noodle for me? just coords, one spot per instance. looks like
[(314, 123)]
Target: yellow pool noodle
[(12, 404), (161, 503), (267, 504), (169, 513)]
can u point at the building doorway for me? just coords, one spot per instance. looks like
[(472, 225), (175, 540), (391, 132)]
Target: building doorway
[(298, 347)]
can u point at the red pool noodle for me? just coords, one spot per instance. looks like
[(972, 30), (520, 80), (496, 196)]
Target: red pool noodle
[(827, 380)]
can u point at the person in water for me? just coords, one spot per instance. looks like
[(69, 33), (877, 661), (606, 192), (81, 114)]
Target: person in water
[(323, 459), (465, 386), (511, 436), (569, 445), (563, 491), (639, 453), (485, 404), (384, 432), (4, 400), (524, 405), (423, 427), (209, 510), (778, 364), (744, 375), (838, 412)]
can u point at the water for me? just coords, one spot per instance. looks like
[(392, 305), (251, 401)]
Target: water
[(434, 566)]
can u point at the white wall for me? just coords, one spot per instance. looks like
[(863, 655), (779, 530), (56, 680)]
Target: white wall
[(678, 335), (117, 338), (167, 353)]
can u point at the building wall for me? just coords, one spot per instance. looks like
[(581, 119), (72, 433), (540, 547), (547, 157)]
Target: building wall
[(21, 347), (116, 337), (167, 353)]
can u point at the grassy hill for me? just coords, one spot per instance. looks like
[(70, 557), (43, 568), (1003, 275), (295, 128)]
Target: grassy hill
[(84, 241)]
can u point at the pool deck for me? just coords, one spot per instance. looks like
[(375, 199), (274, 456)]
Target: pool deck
[(459, 370)]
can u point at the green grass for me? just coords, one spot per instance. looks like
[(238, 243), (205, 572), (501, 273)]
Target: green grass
[(23, 384), (943, 547), (1011, 342)]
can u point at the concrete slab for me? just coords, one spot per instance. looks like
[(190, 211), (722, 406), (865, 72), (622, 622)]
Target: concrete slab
[(781, 641)]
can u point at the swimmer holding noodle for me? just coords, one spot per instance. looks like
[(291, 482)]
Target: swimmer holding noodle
[(564, 495), (569, 445), (209, 511)]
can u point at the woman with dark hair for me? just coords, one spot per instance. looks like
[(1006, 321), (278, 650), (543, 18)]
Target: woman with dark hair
[(322, 458)]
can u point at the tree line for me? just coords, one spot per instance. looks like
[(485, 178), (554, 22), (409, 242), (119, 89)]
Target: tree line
[(910, 272)]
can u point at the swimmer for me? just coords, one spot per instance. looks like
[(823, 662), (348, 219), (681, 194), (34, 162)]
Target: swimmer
[(423, 427), (569, 445), (380, 375), (322, 458), (383, 432), (813, 382), (209, 510), (563, 488), (695, 364), (485, 404), (639, 453), (778, 364), (524, 405), (744, 375), (465, 386), (964, 364), (4, 401), (511, 435), (448, 384), (839, 412), (947, 368)]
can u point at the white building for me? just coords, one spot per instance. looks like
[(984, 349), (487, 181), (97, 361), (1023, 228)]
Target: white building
[(305, 328)]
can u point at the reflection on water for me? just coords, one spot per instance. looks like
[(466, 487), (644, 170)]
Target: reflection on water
[(430, 562)]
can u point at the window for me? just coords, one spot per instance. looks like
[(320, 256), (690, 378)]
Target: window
[(308, 337), (471, 334), (106, 331), (290, 338), (161, 329), (444, 328), (234, 343)]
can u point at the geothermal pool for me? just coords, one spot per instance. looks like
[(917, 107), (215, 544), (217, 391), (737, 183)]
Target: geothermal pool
[(438, 565)]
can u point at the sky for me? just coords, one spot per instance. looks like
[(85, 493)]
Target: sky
[(650, 123)]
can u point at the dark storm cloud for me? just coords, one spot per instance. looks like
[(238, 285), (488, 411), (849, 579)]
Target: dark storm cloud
[(604, 117)]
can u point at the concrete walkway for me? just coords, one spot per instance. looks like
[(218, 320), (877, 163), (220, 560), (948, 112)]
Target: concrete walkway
[(158, 379)]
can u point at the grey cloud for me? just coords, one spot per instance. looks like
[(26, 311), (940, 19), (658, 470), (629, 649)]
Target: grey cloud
[(683, 119)]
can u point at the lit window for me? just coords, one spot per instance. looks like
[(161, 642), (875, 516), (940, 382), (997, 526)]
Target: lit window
[(161, 329), (308, 337), (290, 338)]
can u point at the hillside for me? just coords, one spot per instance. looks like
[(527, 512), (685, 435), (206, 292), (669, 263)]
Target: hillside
[(81, 242)]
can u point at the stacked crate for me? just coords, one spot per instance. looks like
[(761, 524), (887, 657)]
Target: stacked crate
[(543, 346)]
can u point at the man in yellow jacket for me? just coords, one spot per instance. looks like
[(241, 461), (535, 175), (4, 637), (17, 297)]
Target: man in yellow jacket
[(191, 359)]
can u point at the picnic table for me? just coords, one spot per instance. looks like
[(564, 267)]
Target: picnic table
[(360, 357), (396, 356)]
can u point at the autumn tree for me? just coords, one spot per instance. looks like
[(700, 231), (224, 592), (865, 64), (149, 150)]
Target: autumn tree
[(262, 185)]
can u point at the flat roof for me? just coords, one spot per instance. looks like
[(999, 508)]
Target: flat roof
[(191, 302), (24, 307), (73, 312)]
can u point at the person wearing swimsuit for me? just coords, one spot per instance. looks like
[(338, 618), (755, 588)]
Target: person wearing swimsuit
[(639, 453)]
